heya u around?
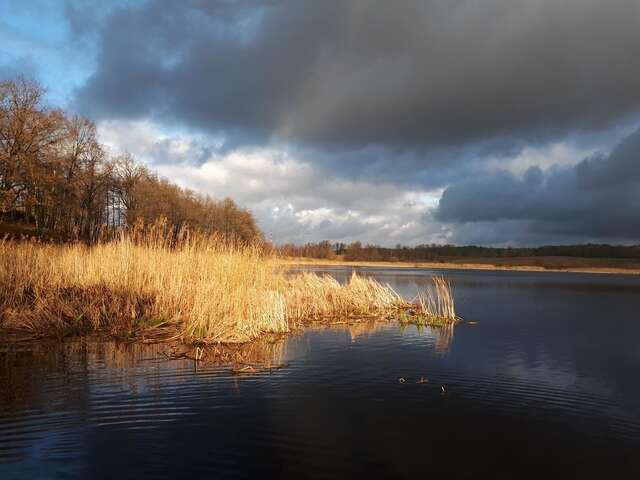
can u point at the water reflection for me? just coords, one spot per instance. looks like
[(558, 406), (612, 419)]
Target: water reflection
[(544, 384)]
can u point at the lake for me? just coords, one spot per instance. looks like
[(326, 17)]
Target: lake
[(546, 383)]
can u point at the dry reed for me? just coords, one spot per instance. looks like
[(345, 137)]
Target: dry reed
[(203, 287), (437, 301)]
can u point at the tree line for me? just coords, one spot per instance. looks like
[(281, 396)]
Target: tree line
[(321, 250), (426, 253), (58, 181)]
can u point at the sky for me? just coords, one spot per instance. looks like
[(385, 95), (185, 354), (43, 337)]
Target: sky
[(493, 122)]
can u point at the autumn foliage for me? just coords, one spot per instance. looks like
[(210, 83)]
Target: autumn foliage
[(57, 181)]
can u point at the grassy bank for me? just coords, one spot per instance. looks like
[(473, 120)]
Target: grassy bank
[(199, 287), (523, 264)]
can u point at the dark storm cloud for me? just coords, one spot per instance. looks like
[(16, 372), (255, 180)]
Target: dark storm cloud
[(414, 94), (597, 199), (405, 74)]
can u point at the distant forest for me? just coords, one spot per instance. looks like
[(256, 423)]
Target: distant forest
[(57, 181), (426, 253)]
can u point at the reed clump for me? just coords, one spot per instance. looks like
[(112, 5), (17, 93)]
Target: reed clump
[(435, 306), (321, 297), (199, 287), (437, 301)]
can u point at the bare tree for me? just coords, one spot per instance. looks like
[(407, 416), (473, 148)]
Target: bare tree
[(56, 177), (28, 134)]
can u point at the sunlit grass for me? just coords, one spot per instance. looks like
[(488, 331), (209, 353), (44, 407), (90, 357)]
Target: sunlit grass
[(435, 306), (202, 287)]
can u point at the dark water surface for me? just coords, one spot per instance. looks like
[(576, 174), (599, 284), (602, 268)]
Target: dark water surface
[(547, 384)]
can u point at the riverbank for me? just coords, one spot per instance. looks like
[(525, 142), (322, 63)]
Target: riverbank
[(525, 264), (194, 288)]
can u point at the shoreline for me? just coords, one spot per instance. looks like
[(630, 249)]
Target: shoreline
[(456, 266), (201, 290), (254, 356)]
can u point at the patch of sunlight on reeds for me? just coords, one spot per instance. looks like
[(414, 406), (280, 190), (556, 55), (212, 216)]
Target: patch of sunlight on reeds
[(201, 286), (320, 297), (435, 306), (437, 300)]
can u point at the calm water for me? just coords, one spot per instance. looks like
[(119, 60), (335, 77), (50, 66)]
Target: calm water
[(547, 383)]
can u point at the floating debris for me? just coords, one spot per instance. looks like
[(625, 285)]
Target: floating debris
[(248, 369), (422, 380), (402, 380), (253, 369)]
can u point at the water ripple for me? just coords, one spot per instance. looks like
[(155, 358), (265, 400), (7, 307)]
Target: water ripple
[(539, 373)]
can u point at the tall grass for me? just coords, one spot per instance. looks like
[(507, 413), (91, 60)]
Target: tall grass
[(318, 297), (437, 301), (203, 287)]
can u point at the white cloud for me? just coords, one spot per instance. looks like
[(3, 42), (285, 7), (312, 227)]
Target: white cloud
[(293, 200)]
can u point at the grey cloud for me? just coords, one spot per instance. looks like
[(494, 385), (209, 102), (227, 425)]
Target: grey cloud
[(354, 73), (598, 199), (367, 93), (282, 190), (289, 227)]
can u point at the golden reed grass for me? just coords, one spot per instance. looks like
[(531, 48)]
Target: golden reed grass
[(205, 288), (437, 301)]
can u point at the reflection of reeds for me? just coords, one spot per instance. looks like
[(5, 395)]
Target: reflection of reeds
[(133, 365), (266, 351), (444, 338), (355, 328), (364, 329), (441, 334)]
